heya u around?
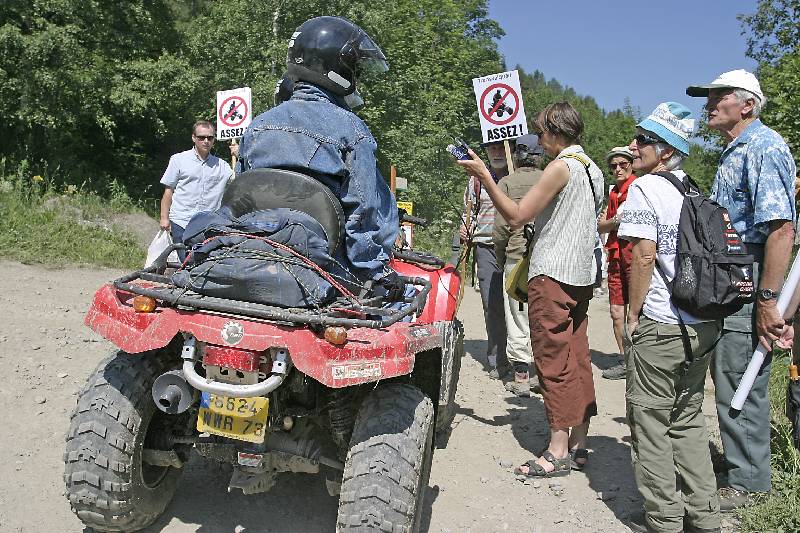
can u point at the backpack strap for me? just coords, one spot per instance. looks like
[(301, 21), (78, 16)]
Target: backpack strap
[(687, 184), (585, 164)]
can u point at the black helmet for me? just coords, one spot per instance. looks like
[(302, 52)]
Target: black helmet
[(332, 52)]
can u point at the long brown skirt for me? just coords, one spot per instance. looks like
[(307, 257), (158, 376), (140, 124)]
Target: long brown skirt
[(558, 320)]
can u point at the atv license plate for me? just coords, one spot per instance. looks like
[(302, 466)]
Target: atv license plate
[(236, 418)]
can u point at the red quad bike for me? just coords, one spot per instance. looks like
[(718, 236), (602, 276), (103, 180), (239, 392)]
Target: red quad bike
[(355, 391)]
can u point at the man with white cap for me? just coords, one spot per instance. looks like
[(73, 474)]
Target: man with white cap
[(664, 382), (755, 183)]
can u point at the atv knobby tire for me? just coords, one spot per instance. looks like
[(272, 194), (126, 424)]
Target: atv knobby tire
[(109, 487), (388, 465), (453, 347)]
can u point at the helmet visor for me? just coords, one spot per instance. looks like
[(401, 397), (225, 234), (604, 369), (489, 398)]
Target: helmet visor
[(371, 60)]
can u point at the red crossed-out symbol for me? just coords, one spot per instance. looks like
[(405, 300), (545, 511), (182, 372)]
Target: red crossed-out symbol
[(495, 108), (233, 111)]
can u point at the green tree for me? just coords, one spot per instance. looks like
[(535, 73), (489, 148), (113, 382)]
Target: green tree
[(773, 39), (66, 68), (602, 130)]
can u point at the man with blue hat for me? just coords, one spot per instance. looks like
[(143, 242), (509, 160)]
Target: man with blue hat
[(664, 383), (755, 183)]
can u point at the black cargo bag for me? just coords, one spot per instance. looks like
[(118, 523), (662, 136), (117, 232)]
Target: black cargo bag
[(713, 271), (246, 259)]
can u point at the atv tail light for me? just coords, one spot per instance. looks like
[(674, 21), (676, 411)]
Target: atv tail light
[(144, 304), (336, 335)]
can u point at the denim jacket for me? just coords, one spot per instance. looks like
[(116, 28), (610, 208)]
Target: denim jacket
[(316, 134)]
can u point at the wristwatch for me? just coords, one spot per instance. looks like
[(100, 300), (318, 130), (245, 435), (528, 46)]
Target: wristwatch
[(767, 294)]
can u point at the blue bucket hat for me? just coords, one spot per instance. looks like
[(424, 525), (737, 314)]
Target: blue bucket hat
[(672, 122)]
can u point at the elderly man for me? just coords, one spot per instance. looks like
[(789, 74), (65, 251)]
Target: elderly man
[(193, 182), (755, 183), (509, 245), (668, 351), (490, 275), (620, 160)]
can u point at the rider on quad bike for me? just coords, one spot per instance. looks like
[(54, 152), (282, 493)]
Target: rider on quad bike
[(256, 351), (316, 133)]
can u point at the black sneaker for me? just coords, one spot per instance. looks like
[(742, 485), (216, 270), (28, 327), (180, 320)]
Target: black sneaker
[(615, 372), (731, 499)]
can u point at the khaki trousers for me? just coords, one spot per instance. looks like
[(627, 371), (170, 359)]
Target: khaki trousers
[(518, 345), (664, 397)]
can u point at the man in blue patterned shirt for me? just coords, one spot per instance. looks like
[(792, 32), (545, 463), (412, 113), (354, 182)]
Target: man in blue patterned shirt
[(755, 183)]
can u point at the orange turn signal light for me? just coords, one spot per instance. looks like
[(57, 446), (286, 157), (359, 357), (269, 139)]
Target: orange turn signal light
[(144, 304), (336, 335)]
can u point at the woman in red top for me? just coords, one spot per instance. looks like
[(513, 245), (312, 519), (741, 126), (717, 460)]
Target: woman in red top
[(619, 161)]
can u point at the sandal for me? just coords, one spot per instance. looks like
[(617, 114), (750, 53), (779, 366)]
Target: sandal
[(561, 467), (578, 453)]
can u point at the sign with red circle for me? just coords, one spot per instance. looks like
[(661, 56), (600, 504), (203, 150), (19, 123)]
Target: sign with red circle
[(233, 112), (500, 106), (503, 101)]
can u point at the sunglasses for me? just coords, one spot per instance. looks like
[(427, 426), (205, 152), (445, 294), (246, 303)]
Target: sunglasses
[(623, 165), (204, 137), (646, 139)]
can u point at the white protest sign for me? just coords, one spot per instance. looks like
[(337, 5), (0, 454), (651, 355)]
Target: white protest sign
[(500, 106), (234, 112)]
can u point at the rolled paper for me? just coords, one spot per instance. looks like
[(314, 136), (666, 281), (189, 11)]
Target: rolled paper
[(787, 305)]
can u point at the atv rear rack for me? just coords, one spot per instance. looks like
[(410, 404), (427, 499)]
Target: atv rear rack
[(161, 288)]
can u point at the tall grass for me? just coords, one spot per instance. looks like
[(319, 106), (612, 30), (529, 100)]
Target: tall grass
[(779, 511), (50, 223)]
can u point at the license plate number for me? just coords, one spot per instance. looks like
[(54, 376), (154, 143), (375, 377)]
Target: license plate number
[(236, 418)]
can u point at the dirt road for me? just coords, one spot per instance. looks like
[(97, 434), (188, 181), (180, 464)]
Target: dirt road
[(46, 354)]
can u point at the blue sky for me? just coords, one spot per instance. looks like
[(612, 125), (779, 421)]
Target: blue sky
[(647, 51)]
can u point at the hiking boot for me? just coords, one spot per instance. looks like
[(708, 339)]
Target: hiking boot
[(520, 386), (731, 499), (615, 372)]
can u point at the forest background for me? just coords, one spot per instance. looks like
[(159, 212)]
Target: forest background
[(97, 95)]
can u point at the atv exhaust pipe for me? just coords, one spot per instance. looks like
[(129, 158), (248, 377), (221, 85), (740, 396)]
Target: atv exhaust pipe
[(280, 367), (171, 393)]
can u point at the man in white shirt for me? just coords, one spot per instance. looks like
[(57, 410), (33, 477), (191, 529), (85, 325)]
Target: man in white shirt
[(194, 181)]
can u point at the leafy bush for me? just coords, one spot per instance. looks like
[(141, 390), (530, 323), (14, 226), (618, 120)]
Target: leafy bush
[(45, 223), (780, 510)]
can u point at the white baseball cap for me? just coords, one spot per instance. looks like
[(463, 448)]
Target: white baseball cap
[(735, 79)]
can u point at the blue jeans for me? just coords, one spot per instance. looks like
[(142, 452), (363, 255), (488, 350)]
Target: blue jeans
[(177, 237)]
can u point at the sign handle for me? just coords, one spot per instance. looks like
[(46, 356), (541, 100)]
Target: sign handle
[(234, 143), (509, 161)]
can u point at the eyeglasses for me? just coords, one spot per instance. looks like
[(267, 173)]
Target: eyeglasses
[(204, 137), (646, 139), (624, 165)]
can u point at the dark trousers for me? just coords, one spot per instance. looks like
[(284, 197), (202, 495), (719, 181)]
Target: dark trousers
[(490, 278), (177, 236), (745, 434)]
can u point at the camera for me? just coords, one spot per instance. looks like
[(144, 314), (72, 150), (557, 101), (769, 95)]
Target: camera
[(459, 150)]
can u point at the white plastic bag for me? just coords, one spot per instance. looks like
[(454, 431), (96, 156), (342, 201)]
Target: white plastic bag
[(161, 242)]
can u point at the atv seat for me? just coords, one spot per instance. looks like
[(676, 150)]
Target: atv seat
[(269, 188)]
